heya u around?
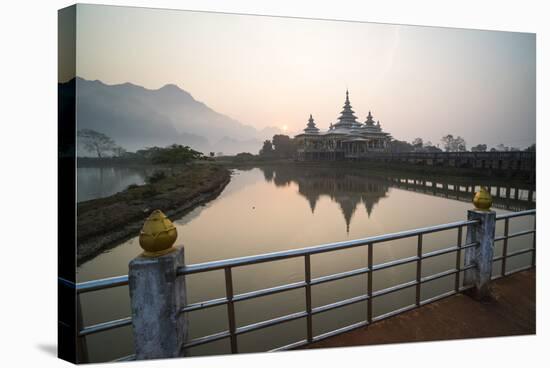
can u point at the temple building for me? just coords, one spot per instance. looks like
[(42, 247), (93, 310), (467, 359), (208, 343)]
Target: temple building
[(346, 138)]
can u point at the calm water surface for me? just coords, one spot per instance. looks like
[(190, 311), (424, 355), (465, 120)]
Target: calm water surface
[(267, 210), (98, 182)]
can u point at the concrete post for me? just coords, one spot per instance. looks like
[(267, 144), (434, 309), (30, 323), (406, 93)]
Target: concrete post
[(157, 295), (481, 255)]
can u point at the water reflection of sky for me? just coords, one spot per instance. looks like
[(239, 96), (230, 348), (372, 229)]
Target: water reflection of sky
[(267, 210), (98, 182)]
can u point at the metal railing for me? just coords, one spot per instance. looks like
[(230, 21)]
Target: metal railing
[(231, 299), (504, 238)]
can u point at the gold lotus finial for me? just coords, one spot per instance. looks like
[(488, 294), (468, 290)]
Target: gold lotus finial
[(483, 200), (157, 235)]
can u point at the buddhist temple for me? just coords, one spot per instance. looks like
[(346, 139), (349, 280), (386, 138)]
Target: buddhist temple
[(345, 139)]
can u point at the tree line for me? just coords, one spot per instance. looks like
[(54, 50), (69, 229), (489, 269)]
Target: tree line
[(450, 143), (280, 146), (103, 146)]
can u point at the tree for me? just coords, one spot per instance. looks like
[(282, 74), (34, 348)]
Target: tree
[(460, 144), (283, 145), (96, 142), (531, 148), (447, 142), (479, 148), (119, 151), (267, 148), (244, 156), (431, 148), (400, 146), (502, 148), (173, 154), (417, 143), (452, 144)]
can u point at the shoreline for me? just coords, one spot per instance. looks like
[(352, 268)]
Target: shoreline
[(482, 176), (104, 223)]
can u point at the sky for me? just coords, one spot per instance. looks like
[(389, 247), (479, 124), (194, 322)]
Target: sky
[(273, 72)]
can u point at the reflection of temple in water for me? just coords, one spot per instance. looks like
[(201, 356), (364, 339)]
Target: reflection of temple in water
[(356, 188), (348, 189)]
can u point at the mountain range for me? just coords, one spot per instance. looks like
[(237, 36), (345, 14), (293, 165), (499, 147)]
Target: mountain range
[(136, 117)]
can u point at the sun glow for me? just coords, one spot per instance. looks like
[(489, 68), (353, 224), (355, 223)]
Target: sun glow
[(285, 128)]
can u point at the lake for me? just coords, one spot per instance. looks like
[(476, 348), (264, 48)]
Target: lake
[(99, 182), (272, 209)]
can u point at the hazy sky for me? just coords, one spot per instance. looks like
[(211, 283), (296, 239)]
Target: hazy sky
[(269, 71)]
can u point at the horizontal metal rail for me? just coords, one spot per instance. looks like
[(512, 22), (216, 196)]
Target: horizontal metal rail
[(516, 253), (339, 331), (516, 214), (339, 304), (205, 339), (126, 358), (291, 346), (325, 308), (204, 305), (339, 276), (276, 256), (105, 326), (440, 252), (270, 322), (101, 284), (230, 299), (521, 233), (316, 281), (110, 282), (514, 235), (505, 253)]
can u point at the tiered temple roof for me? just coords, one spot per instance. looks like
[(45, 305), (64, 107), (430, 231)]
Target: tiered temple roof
[(347, 118), (370, 120), (311, 128), (347, 124)]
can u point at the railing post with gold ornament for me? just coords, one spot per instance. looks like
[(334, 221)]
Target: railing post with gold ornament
[(481, 256), (157, 294)]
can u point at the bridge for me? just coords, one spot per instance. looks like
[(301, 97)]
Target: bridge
[(159, 305), (512, 197), (505, 162)]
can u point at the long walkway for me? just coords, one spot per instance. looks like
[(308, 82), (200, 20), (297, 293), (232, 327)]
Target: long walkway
[(510, 312)]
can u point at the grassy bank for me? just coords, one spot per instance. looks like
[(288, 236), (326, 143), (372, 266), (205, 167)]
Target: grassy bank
[(104, 222)]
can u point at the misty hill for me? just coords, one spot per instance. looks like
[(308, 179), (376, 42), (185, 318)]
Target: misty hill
[(136, 117)]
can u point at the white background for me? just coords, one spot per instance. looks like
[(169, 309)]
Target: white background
[(28, 199)]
